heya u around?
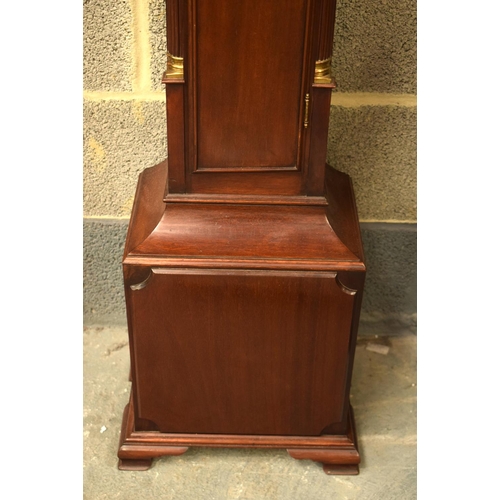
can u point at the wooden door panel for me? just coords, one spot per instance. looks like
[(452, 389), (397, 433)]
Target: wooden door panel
[(249, 83), (249, 96), (243, 352)]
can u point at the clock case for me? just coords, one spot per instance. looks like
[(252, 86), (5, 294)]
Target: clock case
[(243, 264)]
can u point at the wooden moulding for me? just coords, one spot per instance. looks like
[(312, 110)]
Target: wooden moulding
[(308, 233), (338, 453)]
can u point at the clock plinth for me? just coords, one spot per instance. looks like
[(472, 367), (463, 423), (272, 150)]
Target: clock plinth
[(243, 265)]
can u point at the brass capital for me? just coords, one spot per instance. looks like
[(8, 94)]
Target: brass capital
[(175, 67), (322, 71)]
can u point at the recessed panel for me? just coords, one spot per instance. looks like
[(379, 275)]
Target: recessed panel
[(248, 83), (241, 352)]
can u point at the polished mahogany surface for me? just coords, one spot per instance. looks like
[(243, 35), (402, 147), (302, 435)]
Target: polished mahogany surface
[(261, 229), (252, 231), (247, 116), (242, 318), (243, 266), (241, 352), (257, 83)]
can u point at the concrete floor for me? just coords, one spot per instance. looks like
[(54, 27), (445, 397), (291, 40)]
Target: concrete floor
[(383, 396)]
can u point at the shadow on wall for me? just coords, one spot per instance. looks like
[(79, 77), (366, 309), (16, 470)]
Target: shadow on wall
[(390, 299)]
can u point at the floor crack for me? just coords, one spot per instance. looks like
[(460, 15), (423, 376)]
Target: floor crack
[(116, 347)]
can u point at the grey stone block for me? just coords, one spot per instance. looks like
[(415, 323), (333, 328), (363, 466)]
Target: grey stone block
[(375, 46), (103, 296), (390, 298), (376, 146), (158, 42), (121, 138), (389, 301), (107, 45)]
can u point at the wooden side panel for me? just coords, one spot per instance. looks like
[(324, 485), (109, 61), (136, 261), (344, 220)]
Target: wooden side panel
[(174, 78), (175, 138), (243, 352), (148, 205), (342, 212), (320, 110), (249, 89)]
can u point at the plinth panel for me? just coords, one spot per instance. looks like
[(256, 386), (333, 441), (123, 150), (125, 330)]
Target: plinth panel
[(240, 352)]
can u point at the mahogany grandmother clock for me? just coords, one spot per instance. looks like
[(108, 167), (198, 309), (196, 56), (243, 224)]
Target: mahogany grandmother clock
[(243, 264)]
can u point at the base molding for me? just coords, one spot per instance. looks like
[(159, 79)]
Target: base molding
[(338, 453)]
